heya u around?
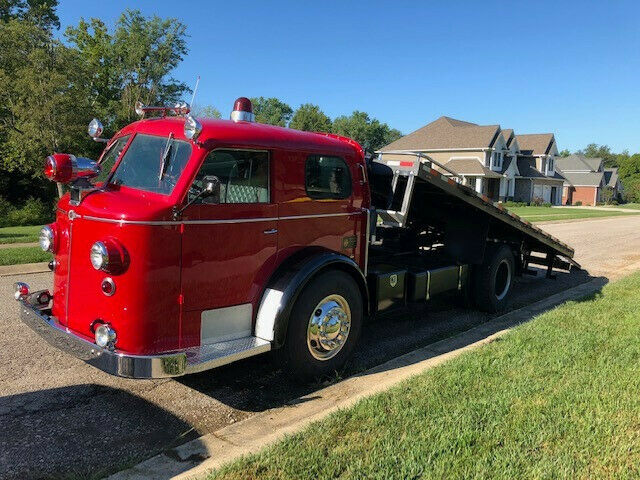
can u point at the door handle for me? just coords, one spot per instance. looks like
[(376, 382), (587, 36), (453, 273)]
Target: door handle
[(271, 231)]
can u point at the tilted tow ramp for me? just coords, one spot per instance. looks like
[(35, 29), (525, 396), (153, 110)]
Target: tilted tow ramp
[(426, 194)]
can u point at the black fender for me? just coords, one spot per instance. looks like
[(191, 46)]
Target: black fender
[(288, 281)]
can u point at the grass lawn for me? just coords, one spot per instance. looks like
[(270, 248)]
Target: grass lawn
[(19, 234), (539, 214), (558, 397), (634, 206), (14, 256)]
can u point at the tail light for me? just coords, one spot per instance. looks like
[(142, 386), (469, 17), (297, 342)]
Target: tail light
[(65, 168)]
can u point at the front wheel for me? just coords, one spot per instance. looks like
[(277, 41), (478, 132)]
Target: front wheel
[(324, 326)]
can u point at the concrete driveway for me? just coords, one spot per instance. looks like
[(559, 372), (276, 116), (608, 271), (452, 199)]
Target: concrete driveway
[(60, 417)]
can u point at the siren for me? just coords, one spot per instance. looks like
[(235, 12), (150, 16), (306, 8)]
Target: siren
[(243, 111), (64, 168)]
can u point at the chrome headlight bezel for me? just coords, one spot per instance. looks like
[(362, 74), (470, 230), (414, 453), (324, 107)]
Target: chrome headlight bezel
[(47, 239), (99, 256), (105, 336)]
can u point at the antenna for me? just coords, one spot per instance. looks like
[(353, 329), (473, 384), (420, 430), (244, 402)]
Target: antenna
[(195, 90)]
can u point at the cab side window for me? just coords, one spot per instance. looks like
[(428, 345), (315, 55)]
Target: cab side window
[(327, 177), (243, 175)]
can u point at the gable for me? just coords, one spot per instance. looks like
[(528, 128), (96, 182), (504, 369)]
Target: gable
[(446, 134)]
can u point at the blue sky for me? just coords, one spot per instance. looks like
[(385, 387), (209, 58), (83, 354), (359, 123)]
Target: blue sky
[(568, 67)]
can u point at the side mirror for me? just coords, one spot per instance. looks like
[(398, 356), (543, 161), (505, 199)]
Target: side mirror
[(95, 131), (211, 188)]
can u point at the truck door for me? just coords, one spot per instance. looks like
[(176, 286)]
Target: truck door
[(229, 247)]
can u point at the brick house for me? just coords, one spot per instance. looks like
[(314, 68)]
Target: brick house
[(585, 180)]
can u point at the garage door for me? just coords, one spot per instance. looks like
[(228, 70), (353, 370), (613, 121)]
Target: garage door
[(537, 191)]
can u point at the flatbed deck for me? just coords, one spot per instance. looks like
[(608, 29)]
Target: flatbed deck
[(418, 172)]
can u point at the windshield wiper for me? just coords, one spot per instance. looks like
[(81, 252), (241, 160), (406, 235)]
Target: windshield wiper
[(165, 156)]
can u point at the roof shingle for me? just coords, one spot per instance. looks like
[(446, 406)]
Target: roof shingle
[(446, 133), (535, 143)]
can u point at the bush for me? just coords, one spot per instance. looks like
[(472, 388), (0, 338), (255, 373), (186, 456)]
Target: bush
[(515, 204), (578, 203), (546, 204), (33, 212), (537, 201)]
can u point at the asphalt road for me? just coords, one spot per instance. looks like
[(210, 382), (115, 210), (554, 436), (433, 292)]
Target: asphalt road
[(62, 418)]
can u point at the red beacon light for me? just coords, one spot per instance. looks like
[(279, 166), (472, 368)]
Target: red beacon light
[(65, 168), (243, 111)]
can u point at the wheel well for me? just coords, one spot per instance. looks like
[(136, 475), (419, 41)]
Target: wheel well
[(290, 278), (357, 277)]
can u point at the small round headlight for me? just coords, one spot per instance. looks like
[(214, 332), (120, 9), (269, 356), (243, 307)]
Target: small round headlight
[(105, 336), (99, 256), (46, 239)]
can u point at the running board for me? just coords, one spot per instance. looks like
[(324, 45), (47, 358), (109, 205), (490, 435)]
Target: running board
[(215, 355)]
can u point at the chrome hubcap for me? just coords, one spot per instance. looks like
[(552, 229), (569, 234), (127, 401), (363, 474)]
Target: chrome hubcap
[(329, 327)]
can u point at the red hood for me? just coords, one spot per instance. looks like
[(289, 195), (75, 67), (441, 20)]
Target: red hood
[(122, 203)]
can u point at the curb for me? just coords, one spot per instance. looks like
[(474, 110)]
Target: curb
[(198, 457), (24, 269)]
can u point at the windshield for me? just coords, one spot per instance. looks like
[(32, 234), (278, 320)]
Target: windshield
[(152, 163), (109, 158)]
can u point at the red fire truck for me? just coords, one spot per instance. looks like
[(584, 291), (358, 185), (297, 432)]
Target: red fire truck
[(192, 243)]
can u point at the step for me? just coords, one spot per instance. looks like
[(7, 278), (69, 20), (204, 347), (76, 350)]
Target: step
[(215, 355)]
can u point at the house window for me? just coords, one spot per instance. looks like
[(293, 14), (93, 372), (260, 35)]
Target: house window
[(550, 166), (327, 177), (496, 160)]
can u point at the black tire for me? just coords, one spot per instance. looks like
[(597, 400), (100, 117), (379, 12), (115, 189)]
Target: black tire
[(493, 279), (296, 356)]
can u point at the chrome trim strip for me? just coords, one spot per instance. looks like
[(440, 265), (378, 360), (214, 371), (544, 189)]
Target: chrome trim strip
[(367, 240), (173, 364), (214, 222)]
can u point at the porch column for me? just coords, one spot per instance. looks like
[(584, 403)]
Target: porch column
[(479, 185)]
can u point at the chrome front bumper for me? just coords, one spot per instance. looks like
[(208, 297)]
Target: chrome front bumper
[(173, 364)]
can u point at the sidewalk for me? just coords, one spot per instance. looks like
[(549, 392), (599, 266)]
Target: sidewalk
[(586, 207), (18, 245), (24, 269)]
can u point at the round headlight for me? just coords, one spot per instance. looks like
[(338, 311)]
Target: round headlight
[(46, 239), (105, 336), (99, 256)]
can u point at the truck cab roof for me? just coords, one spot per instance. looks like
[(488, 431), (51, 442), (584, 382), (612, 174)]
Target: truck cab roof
[(216, 132)]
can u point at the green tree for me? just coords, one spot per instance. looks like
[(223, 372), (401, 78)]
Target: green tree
[(310, 118), (271, 111), (594, 150), (565, 153), (41, 13), (131, 64), (49, 91), (205, 111), (370, 133), (42, 106)]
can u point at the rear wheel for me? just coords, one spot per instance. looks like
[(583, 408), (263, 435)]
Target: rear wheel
[(324, 326), (493, 279)]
